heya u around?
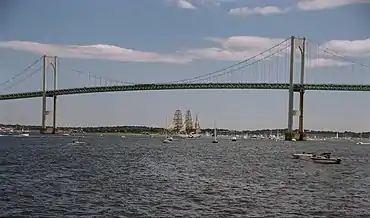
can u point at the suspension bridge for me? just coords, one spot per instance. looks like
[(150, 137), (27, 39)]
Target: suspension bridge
[(294, 64)]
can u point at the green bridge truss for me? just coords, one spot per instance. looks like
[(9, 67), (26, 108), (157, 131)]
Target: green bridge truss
[(173, 86)]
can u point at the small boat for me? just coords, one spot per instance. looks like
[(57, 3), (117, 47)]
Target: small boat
[(325, 158), (214, 133), (24, 133), (75, 142), (233, 139), (168, 139), (363, 143), (277, 138), (302, 155)]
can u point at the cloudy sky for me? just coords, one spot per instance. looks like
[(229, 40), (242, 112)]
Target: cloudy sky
[(147, 41)]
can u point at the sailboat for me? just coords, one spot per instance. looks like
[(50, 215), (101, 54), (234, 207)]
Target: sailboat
[(277, 136), (197, 133), (167, 138), (214, 133), (233, 139), (25, 133)]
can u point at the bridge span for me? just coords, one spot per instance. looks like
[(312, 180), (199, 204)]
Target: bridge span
[(174, 86)]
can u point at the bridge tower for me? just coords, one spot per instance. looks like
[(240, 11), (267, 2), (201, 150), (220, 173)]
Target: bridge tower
[(44, 112), (300, 43)]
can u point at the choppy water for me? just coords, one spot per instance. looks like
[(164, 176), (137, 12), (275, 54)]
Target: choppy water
[(141, 177)]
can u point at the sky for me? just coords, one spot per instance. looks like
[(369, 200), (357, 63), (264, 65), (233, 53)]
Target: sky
[(154, 41)]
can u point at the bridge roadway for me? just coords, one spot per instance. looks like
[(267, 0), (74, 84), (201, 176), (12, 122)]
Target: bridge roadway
[(174, 86)]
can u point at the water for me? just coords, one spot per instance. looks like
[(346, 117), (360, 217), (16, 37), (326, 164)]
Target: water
[(141, 177)]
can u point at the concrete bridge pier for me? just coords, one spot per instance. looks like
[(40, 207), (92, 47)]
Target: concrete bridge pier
[(44, 112), (302, 49), (54, 114), (43, 109), (290, 135)]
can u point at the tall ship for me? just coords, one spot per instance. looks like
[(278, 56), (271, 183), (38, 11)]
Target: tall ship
[(183, 125)]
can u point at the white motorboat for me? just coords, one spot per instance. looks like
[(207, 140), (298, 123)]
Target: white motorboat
[(76, 142), (233, 138), (24, 133), (302, 155), (363, 143), (325, 158), (166, 141)]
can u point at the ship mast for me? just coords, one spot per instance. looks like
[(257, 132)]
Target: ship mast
[(188, 122), (177, 121), (197, 124)]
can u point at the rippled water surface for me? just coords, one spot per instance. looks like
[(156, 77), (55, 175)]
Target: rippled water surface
[(141, 177)]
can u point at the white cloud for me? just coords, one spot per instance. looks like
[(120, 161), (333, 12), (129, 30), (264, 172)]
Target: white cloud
[(194, 4), (355, 48), (267, 10), (323, 62), (185, 4), (102, 52), (234, 48), (326, 4), (305, 5), (213, 2), (238, 48)]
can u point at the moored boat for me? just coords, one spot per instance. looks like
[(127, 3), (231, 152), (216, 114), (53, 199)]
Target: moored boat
[(325, 158), (363, 143), (168, 139), (76, 142), (214, 133), (302, 155)]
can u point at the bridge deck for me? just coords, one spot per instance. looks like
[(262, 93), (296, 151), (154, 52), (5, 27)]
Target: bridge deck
[(163, 86)]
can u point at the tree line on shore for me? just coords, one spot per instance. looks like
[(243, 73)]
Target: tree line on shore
[(157, 130)]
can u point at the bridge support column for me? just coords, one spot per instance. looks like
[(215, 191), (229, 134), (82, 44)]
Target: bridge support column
[(289, 135), (55, 96), (44, 112), (43, 109), (54, 114), (302, 49), (301, 46)]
